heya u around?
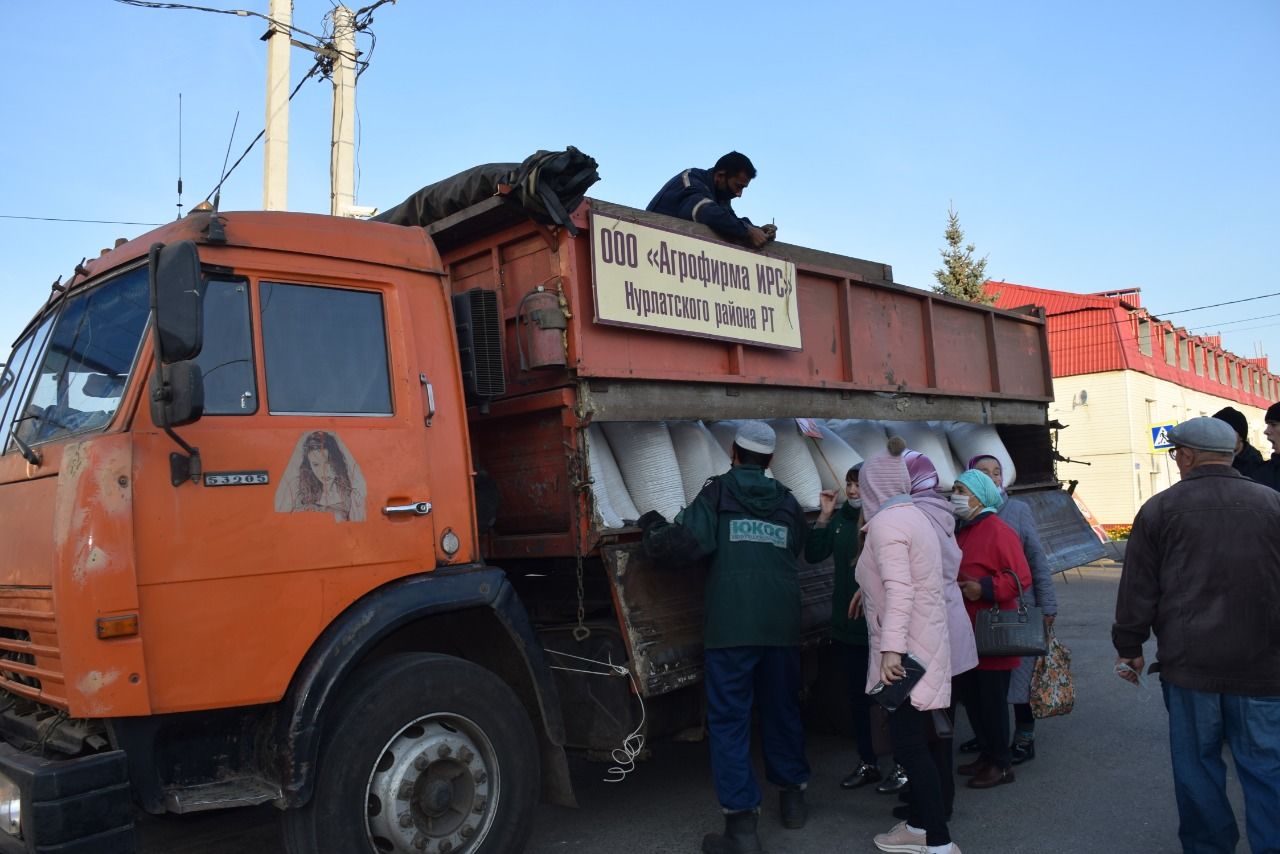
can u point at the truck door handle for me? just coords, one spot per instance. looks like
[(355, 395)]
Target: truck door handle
[(431, 397), (417, 508)]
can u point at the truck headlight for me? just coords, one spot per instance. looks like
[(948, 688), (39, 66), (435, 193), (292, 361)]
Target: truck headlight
[(10, 807)]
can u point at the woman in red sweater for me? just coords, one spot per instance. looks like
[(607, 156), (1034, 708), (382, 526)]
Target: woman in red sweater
[(992, 556)]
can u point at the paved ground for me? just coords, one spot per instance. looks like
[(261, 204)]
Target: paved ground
[(1100, 782)]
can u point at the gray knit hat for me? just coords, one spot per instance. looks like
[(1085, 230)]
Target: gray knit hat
[(759, 437), (1204, 434)]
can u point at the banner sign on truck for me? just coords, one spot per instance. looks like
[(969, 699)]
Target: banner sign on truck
[(656, 279)]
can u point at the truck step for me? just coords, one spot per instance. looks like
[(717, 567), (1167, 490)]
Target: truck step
[(235, 792)]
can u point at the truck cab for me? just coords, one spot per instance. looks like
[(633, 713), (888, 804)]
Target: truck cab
[(185, 593)]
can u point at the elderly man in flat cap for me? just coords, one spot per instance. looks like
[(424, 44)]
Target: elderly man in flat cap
[(1202, 570), (753, 529)]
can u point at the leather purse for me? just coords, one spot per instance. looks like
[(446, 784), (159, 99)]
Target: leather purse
[(1019, 632), (894, 694)]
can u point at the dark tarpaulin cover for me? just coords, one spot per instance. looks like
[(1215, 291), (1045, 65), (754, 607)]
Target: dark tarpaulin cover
[(548, 185)]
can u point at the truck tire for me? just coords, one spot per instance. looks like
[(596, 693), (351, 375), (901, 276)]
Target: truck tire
[(426, 753)]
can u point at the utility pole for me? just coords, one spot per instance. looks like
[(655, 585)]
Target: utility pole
[(342, 160), (275, 166)]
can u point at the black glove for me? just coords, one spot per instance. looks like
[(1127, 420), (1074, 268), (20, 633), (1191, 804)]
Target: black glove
[(651, 519)]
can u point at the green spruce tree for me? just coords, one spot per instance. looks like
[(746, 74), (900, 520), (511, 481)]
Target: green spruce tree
[(961, 275)]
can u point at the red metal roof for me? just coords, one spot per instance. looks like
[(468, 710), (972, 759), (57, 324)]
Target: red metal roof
[(1110, 331)]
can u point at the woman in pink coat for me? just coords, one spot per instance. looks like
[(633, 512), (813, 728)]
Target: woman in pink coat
[(900, 575)]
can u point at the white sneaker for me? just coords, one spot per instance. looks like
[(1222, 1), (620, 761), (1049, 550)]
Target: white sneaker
[(902, 840)]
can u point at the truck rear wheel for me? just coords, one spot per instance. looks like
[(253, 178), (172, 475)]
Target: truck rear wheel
[(427, 753)]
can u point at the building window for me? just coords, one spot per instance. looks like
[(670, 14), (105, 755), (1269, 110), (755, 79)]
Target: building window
[(1234, 370), (1199, 360), (1222, 369), (1170, 342), (1212, 365), (1144, 337), (1184, 353)]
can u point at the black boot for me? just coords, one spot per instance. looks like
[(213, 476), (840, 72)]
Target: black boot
[(739, 836), (792, 806)]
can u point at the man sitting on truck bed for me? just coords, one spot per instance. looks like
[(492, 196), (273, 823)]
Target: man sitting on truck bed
[(706, 196), (754, 530)]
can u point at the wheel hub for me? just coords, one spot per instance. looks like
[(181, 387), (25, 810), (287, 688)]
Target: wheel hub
[(433, 789)]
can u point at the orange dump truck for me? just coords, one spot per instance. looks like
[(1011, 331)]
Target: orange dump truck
[(296, 509)]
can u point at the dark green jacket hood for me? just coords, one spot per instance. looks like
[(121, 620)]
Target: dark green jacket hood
[(754, 490)]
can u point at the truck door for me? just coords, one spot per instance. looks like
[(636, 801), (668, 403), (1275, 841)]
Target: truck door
[(314, 490)]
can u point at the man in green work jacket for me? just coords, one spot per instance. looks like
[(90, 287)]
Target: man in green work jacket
[(753, 529)]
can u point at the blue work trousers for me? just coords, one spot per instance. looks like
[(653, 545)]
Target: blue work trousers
[(1199, 723), (769, 676)]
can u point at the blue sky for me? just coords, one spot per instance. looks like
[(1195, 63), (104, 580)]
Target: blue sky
[(1087, 146)]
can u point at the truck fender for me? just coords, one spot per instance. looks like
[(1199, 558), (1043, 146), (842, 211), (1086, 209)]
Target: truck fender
[(358, 630)]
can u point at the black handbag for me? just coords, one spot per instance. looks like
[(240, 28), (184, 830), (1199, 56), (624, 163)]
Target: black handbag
[(1019, 632)]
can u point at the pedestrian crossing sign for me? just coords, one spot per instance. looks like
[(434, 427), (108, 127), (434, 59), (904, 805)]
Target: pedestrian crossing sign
[(1160, 436)]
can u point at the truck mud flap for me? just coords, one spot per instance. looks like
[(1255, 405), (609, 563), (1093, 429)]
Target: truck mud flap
[(1065, 534), (660, 612)]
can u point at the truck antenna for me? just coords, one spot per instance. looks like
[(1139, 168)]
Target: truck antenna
[(217, 191), (179, 155)]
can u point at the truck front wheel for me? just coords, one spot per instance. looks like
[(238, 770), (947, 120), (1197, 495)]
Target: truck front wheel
[(426, 753)]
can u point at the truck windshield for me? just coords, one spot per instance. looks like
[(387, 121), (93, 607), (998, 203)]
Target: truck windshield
[(84, 369)]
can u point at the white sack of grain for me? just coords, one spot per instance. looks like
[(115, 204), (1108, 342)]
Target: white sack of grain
[(699, 454), (931, 442), (793, 464), (971, 440), (867, 438), (724, 431), (613, 503), (648, 464), (833, 458)]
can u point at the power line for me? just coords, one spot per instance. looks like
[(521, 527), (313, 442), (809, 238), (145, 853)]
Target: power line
[(70, 219), (261, 133), (240, 13)]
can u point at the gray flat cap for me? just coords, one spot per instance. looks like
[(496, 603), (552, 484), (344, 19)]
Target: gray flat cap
[(759, 437), (1204, 434)]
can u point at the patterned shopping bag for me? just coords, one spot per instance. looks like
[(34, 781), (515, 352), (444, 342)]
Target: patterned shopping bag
[(1051, 690)]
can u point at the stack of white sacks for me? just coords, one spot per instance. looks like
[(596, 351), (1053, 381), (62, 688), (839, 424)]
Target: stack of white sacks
[(637, 466)]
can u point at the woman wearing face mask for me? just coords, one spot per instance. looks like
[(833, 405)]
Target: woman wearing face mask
[(1016, 513), (836, 533), (992, 556), (900, 575)]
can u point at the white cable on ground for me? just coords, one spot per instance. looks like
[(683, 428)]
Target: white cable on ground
[(633, 744)]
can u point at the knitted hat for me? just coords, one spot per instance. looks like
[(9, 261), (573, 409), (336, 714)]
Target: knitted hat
[(1204, 434), (1235, 418), (1273, 412), (755, 436), (884, 478)]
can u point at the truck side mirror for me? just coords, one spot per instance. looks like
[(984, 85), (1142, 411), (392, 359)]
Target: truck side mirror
[(177, 301), (177, 395)]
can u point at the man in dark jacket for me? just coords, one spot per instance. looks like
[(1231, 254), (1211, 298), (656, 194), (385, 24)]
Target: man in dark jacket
[(1247, 458), (706, 196), (1211, 595), (753, 529), (1268, 473)]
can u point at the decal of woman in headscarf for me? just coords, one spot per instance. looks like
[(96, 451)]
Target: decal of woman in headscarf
[(322, 476)]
